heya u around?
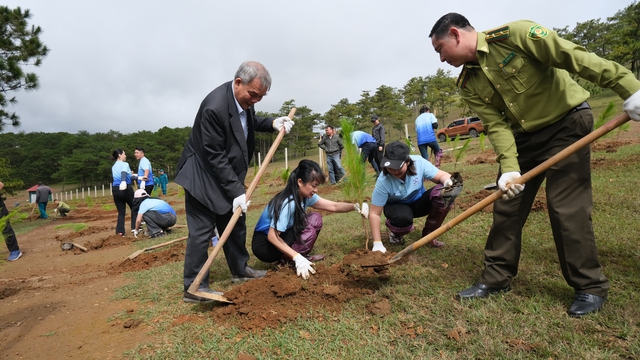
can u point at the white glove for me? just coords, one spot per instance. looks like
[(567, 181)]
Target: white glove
[(514, 189), (364, 210), (377, 246), (632, 106), (448, 183), (135, 233), (55, 210), (123, 185), (303, 266), (283, 121), (240, 201)]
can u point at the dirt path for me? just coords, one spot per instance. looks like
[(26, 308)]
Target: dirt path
[(59, 302)]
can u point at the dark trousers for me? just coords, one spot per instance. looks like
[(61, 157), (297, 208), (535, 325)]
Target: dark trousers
[(264, 250), (149, 189), (569, 200), (336, 172), (369, 153), (379, 154), (122, 198), (201, 222), (424, 149), (7, 232), (400, 216), (157, 222)]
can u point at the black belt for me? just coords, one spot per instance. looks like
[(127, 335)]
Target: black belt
[(583, 106)]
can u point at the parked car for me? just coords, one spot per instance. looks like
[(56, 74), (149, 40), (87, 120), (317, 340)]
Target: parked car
[(469, 126)]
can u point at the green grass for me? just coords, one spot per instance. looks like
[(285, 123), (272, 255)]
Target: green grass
[(73, 226), (426, 322)]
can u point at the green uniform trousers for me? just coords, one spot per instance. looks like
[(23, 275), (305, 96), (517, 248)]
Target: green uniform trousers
[(569, 201)]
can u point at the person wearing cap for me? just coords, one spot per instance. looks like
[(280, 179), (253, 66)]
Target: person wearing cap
[(367, 144), (163, 181), (401, 194), (425, 125), (332, 146), (158, 215), (145, 171), (61, 207), (378, 133), (212, 170)]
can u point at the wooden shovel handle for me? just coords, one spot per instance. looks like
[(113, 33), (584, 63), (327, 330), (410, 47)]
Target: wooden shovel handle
[(236, 215), (591, 137)]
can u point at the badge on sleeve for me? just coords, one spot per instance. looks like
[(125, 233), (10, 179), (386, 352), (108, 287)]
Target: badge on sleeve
[(537, 32)]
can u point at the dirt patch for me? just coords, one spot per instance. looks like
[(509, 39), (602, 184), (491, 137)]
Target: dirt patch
[(282, 296), (539, 203), (147, 260)]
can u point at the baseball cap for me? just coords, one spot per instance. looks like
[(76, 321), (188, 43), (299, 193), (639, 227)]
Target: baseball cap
[(395, 154), (374, 118), (140, 193)]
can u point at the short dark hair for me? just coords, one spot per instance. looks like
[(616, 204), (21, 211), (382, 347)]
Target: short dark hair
[(330, 127), (424, 109), (446, 22), (140, 148)]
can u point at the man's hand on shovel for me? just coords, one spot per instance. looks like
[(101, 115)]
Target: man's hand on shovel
[(513, 189)]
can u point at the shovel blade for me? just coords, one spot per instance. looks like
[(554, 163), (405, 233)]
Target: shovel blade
[(215, 297)]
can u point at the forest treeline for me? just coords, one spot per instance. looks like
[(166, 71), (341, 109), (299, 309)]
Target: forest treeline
[(83, 159)]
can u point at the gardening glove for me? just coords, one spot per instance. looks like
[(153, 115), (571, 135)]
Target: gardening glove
[(514, 189), (377, 246), (303, 266), (364, 210), (448, 183), (240, 201), (135, 233), (55, 210), (632, 106), (283, 121), (123, 185)]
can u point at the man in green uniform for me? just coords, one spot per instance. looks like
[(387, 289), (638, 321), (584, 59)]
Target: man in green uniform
[(514, 79)]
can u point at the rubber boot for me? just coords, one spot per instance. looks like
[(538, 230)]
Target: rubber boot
[(438, 158), (434, 221)]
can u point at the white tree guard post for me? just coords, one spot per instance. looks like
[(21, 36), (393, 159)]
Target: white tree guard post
[(406, 131), (102, 190), (286, 159), (320, 160), (259, 161)]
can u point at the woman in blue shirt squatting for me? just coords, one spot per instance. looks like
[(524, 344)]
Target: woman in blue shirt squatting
[(401, 194), (157, 214), (122, 189), (285, 230)]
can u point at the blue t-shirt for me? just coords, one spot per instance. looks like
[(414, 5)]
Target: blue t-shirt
[(424, 128), (391, 190), (155, 205), (145, 164), (360, 137), (116, 172), (285, 221)]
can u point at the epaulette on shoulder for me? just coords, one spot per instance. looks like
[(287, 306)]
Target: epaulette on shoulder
[(498, 34), (463, 77)]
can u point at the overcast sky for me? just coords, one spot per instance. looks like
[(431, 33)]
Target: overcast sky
[(141, 65)]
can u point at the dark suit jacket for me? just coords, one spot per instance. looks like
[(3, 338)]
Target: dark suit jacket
[(215, 159)]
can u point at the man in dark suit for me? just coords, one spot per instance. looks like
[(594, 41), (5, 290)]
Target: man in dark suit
[(213, 167)]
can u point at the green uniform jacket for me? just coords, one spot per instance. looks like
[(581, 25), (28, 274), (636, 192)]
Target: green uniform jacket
[(520, 83), (63, 206)]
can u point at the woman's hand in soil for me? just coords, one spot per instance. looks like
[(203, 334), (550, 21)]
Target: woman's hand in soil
[(303, 266)]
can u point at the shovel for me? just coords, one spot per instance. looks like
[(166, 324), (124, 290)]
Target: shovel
[(193, 289), (601, 131), (138, 252)]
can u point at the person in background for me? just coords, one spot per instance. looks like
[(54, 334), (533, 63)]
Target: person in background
[(157, 214), (425, 125), (42, 198), (61, 208), (332, 146), (378, 133), (163, 180), (517, 78), (212, 169), (368, 147), (285, 230), (7, 231), (401, 194), (122, 190), (145, 171)]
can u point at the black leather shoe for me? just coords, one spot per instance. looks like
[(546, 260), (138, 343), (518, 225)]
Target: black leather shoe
[(584, 304), (249, 273), (479, 290), (190, 298)]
